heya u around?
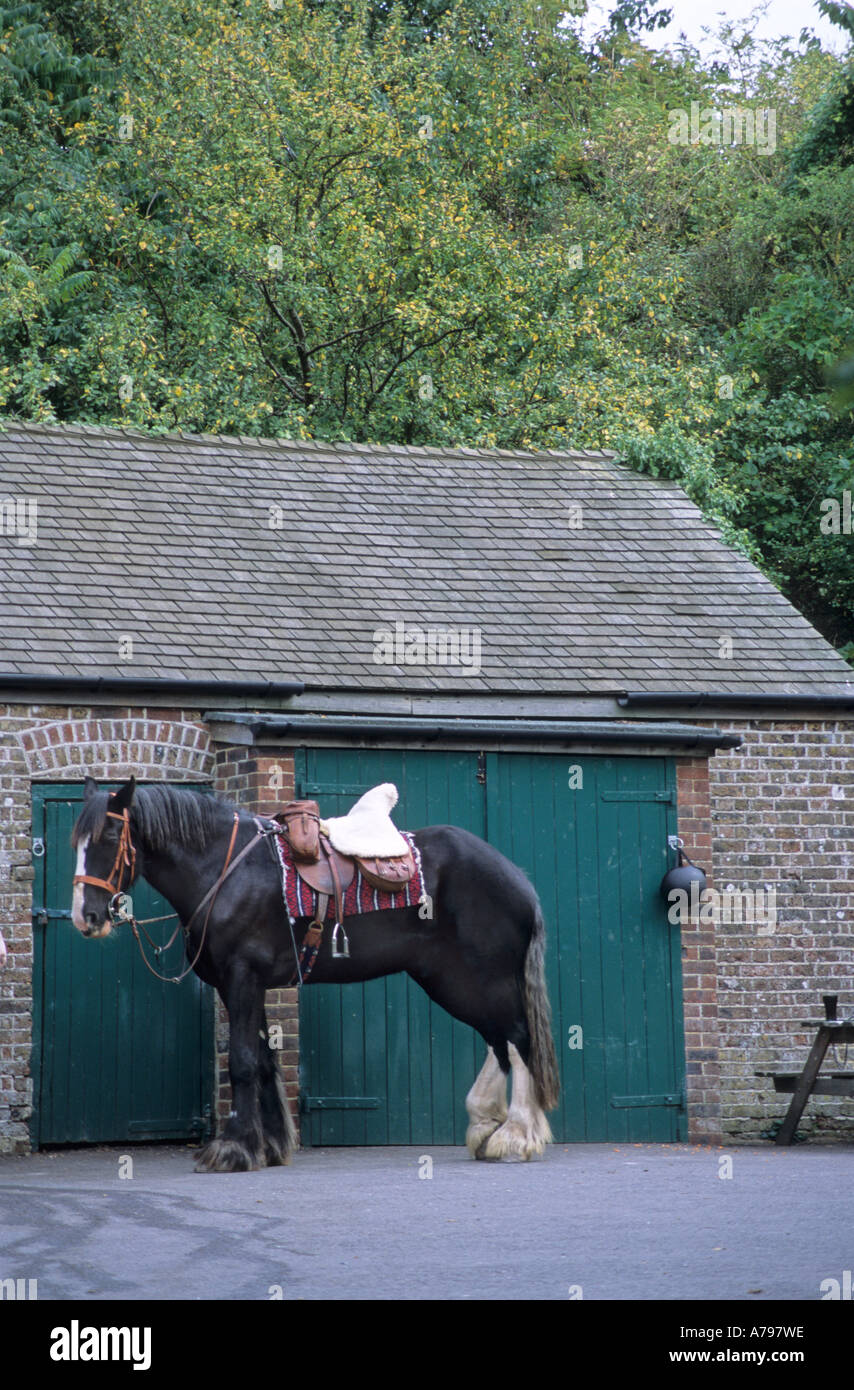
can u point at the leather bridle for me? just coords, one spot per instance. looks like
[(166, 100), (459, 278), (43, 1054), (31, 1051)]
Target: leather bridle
[(125, 859)]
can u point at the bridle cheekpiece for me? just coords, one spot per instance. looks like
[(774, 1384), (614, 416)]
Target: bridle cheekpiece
[(125, 859)]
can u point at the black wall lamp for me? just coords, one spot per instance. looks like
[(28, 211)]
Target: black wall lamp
[(683, 874)]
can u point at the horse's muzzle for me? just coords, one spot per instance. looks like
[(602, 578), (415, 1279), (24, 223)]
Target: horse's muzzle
[(93, 929)]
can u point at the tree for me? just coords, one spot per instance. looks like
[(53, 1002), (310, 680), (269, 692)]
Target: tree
[(443, 223)]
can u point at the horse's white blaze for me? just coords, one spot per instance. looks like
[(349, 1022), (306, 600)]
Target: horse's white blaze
[(486, 1103), (77, 898), (526, 1131)]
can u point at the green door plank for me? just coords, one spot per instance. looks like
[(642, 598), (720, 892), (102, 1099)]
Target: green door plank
[(663, 988), (594, 912), (629, 973), (612, 1023)]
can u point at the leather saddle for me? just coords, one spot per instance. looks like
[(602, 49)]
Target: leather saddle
[(328, 871)]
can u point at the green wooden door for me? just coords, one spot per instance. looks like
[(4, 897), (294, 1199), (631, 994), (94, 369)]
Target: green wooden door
[(380, 1064), (592, 835), (117, 1055)]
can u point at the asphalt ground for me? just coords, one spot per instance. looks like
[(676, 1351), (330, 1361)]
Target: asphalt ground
[(590, 1222)]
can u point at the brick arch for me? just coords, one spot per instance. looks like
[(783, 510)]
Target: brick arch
[(151, 749)]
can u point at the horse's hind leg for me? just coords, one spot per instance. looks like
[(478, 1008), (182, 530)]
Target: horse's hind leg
[(526, 1130), (276, 1121), (498, 1015), (486, 1104)]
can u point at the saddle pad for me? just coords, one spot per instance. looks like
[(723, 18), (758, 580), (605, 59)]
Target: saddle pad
[(359, 897)]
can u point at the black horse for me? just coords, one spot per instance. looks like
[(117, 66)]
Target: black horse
[(479, 955)]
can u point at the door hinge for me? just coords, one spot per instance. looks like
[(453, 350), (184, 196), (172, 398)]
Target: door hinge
[(316, 791), (481, 768), (339, 1103), (667, 797), (42, 917), (676, 1100)]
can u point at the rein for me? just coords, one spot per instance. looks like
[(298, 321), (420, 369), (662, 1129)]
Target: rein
[(126, 858)]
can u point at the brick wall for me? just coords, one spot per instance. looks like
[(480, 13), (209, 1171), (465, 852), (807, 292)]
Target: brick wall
[(260, 783), (55, 743), (256, 781), (783, 816), (699, 961)]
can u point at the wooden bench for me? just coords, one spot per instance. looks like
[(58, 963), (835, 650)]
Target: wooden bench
[(802, 1085)]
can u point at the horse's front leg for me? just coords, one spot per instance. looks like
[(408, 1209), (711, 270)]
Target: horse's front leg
[(240, 1147), (280, 1137)]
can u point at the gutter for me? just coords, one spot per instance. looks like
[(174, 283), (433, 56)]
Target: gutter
[(136, 685), (604, 731), (692, 699)]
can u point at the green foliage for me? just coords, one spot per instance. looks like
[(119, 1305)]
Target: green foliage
[(841, 378), (635, 16), (40, 80), (839, 14), (829, 134), (799, 334)]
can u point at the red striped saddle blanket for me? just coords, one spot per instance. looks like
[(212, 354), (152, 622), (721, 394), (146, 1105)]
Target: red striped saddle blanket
[(359, 896)]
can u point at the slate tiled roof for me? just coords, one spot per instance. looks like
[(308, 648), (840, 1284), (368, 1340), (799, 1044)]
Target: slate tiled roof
[(167, 539)]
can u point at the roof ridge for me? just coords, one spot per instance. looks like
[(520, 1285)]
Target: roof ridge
[(9, 424)]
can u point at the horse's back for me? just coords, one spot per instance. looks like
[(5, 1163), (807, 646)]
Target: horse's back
[(464, 863)]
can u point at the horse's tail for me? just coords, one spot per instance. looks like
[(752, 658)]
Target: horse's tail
[(542, 1060)]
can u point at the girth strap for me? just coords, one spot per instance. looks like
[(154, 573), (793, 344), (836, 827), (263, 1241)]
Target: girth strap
[(326, 850), (314, 934)]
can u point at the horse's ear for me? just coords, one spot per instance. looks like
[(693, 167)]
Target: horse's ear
[(90, 786), (124, 796)]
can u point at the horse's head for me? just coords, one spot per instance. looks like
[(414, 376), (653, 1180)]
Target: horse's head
[(106, 857)]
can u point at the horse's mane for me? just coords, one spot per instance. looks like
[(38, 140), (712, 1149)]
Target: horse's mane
[(163, 815)]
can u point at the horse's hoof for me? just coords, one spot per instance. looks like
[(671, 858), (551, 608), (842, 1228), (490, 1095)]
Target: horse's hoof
[(275, 1154), (227, 1156), (478, 1135), (517, 1142)]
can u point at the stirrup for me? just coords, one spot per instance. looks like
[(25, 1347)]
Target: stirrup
[(336, 953)]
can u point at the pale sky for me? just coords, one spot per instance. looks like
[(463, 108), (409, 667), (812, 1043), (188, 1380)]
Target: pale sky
[(782, 17)]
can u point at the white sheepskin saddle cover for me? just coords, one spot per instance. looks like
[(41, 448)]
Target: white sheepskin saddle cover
[(368, 830)]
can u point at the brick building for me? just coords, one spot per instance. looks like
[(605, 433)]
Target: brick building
[(556, 652)]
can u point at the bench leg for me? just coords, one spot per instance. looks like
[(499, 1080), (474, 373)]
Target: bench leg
[(803, 1090)]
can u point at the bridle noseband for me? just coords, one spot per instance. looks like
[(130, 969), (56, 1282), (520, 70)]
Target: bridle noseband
[(125, 859)]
